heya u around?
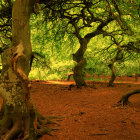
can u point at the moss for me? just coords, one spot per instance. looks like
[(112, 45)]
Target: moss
[(12, 98), (6, 95)]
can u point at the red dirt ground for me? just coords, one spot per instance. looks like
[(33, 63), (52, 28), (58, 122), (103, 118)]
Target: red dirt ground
[(89, 113)]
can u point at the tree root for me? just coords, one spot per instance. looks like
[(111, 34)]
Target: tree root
[(15, 130), (43, 122), (70, 86), (110, 85), (124, 100), (79, 87), (29, 126), (22, 131), (3, 131), (45, 130)]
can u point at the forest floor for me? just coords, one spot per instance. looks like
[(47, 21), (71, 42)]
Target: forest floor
[(89, 113)]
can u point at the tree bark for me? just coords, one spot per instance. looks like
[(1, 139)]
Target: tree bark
[(17, 111), (113, 75), (69, 75), (18, 114), (118, 57), (81, 63)]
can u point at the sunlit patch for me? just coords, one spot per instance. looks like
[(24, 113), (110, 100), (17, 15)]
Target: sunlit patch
[(61, 82)]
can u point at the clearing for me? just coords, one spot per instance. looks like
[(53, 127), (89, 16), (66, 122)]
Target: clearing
[(89, 113)]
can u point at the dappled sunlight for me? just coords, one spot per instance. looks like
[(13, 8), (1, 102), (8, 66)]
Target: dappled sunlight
[(102, 78), (55, 82), (61, 82)]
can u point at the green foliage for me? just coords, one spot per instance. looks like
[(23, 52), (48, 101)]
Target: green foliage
[(50, 40), (52, 37)]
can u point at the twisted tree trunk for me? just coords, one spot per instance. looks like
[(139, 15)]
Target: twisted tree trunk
[(113, 75), (118, 57), (81, 63), (18, 115)]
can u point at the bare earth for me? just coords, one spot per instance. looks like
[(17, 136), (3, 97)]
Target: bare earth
[(89, 113)]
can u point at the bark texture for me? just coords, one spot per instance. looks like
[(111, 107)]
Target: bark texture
[(118, 57), (18, 116), (81, 63), (113, 75), (17, 111), (69, 75)]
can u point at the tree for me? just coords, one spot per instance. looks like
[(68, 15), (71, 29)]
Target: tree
[(118, 57), (18, 114), (134, 46), (86, 19), (80, 15), (125, 32)]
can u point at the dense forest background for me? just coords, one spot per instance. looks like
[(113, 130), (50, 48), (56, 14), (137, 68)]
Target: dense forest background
[(56, 48), (54, 44)]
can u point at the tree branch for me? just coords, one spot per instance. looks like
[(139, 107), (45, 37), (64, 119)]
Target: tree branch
[(115, 17)]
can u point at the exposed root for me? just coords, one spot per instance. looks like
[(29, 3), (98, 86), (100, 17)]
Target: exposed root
[(79, 87), (42, 127), (46, 130), (110, 85), (22, 130), (42, 124), (30, 126), (46, 121), (124, 100), (121, 103), (13, 132), (70, 86), (3, 131), (27, 128)]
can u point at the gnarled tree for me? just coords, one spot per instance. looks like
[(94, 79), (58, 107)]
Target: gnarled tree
[(133, 46), (18, 114), (78, 16)]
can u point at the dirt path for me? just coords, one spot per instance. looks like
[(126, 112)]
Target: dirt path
[(89, 114)]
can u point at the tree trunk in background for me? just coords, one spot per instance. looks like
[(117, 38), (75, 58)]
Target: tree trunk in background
[(81, 63), (17, 114), (113, 75)]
